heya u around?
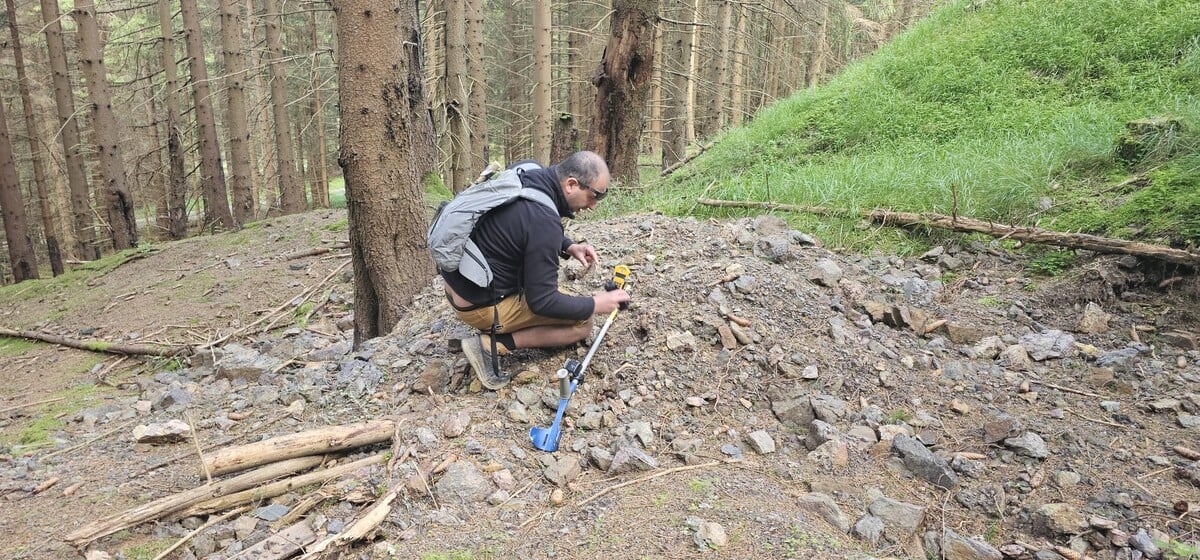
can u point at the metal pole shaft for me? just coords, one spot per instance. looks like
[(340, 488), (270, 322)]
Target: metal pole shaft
[(587, 359)]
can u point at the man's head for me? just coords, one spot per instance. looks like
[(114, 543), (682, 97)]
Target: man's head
[(584, 179)]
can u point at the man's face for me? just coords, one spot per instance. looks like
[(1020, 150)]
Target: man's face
[(585, 196)]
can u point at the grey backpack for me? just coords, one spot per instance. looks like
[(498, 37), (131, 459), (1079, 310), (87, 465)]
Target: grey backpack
[(449, 236)]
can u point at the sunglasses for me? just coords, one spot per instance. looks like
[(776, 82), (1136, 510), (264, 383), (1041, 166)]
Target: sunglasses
[(598, 194)]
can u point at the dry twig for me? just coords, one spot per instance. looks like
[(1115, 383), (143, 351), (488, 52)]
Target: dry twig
[(652, 477)]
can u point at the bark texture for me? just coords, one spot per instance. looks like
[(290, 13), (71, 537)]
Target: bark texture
[(291, 191), (212, 172), (64, 102), (623, 86), (233, 51), (386, 157), (172, 207), (542, 117), (122, 225), (53, 251), (12, 207)]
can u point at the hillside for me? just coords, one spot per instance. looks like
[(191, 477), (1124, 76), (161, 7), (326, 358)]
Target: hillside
[(999, 110), (827, 405)]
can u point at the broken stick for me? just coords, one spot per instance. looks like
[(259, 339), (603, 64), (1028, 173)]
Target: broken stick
[(312, 442), (175, 502), (279, 488)]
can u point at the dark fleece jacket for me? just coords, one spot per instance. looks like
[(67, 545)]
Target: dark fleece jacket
[(523, 242)]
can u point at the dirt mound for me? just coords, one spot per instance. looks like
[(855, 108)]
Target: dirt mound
[(763, 397)]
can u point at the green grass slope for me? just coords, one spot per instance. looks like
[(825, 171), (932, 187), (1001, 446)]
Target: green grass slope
[(1007, 110)]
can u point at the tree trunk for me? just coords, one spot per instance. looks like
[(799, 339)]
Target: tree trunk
[(12, 207), (321, 172), (172, 215), (291, 192), (477, 74), (237, 119), (818, 48), (652, 143), (212, 171), (679, 62), (267, 168), (622, 87), (516, 142), (35, 148), (724, 65), (64, 100), (119, 203), (737, 90), (692, 75), (458, 95), (566, 138), (542, 117), (387, 157)]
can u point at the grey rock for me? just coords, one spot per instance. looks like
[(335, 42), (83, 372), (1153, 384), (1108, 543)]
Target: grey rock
[(601, 458), (1049, 344), (1015, 357), (457, 424), (1001, 428), (1029, 444), (923, 463), (825, 272), (1094, 320), (1188, 421), (761, 442), (775, 248), (463, 482), (517, 412), (795, 412), (1143, 542), (642, 431), (631, 459), (824, 506), (711, 535), (681, 342), (1056, 519), (203, 545), (271, 512), (244, 526), (171, 431), (731, 450), (362, 378), (235, 361), (172, 396), (957, 547), (901, 519), (828, 408), (869, 528), (563, 471)]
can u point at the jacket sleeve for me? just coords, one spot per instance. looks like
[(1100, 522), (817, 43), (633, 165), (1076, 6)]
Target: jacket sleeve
[(541, 272)]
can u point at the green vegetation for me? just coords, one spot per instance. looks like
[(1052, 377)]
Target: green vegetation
[(1003, 110), (454, 555), (897, 416), (1176, 550), (48, 418), (1052, 263), (73, 278), (990, 301), (147, 550), (15, 346)]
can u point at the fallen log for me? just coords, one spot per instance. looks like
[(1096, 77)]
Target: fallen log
[(962, 224), (279, 488), (99, 345), (312, 442), (175, 502)]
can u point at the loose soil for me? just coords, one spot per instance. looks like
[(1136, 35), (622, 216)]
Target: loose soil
[(663, 363)]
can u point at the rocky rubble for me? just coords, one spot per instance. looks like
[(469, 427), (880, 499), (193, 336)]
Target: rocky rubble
[(903, 407)]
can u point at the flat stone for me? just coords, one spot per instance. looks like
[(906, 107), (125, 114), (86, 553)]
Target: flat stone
[(958, 547), (901, 519), (631, 459), (171, 431), (827, 509), (923, 463), (1056, 519), (1049, 344), (761, 442), (1029, 444), (869, 528), (463, 482), (1093, 321)]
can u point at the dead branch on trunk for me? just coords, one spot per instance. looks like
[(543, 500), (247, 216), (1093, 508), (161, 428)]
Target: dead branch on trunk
[(279, 488), (312, 442), (175, 502), (1082, 241), (684, 161), (100, 346)]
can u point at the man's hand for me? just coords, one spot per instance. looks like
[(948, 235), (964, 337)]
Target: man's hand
[(607, 301), (582, 252)]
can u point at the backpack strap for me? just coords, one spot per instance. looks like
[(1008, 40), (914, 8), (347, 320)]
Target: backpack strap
[(539, 196)]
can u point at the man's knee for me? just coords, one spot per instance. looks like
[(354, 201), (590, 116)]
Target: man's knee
[(581, 330)]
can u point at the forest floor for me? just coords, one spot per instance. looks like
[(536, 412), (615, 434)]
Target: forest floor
[(762, 398)]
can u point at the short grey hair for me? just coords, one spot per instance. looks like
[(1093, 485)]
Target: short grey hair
[(584, 165)]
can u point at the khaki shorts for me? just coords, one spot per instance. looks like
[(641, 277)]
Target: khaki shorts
[(515, 315)]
